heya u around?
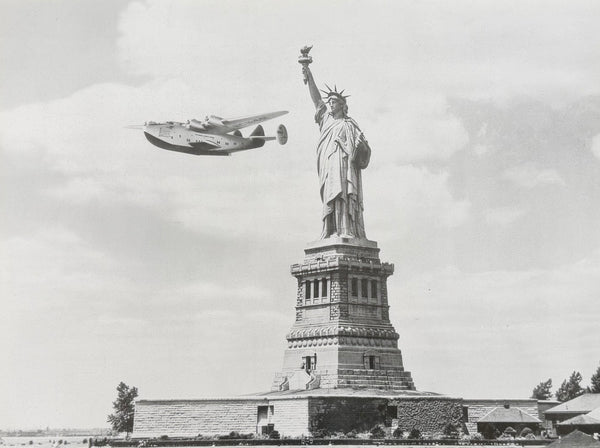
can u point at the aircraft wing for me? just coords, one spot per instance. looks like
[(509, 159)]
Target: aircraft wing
[(239, 123), (217, 125)]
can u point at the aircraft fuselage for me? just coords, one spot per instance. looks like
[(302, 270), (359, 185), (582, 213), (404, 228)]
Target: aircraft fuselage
[(177, 137)]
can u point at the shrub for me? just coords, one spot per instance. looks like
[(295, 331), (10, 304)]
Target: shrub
[(377, 432), (352, 434), (364, 435), (450, 432), (476, 436), (510, 431), (397, 434), (525, 432), (232, 435), (274, 435), (414, 434), (320, 433)]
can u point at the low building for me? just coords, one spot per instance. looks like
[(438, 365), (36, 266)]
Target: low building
[(581, 405), (476, 409), (501, 418), (588, 423), (298, 413)]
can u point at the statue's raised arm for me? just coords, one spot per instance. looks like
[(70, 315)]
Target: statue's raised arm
[(342, 153), (304, 59)]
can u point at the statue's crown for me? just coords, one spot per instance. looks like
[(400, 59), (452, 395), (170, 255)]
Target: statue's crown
[(334, 93)]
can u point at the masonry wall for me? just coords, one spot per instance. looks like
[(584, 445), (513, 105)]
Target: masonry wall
[(333, 414), (291, 417), (188, 418), (428, 415)]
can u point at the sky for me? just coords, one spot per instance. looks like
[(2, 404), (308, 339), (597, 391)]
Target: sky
[(120, 261)]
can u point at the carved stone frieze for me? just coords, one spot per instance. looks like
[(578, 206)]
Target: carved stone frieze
[(334, 330)]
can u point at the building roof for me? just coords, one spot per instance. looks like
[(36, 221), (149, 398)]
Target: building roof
[(311, 393), (580, 405), (576, 439), (349, 392), (582, 419), (595, 413), (508, 415)]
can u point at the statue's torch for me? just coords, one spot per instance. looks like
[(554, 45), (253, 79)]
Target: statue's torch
[(304, 59)]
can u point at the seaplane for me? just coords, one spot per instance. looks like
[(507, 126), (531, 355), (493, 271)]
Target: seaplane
[(213, 136)]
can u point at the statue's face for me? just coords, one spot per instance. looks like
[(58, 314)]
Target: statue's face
[(336, 105)]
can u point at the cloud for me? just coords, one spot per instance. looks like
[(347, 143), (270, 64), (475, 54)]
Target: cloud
[(498, 315), (99, 161), (112, 243), (485, 49), (49, 268), (528, 176), (503, 215), (424, 130), (596, 146), (414, 198)]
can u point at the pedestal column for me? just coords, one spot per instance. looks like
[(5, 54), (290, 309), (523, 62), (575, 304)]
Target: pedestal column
[(342, 335)]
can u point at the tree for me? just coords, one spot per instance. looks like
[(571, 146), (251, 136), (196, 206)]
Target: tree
[(594, 387), (542, 390), (571, 388), (124, 406)]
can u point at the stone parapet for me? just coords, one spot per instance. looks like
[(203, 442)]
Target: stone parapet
[(360, 248), (311, 266)]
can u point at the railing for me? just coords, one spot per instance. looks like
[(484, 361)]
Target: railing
[(120, 443)]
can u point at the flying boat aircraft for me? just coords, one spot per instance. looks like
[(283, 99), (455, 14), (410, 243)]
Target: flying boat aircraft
[(213, 136)]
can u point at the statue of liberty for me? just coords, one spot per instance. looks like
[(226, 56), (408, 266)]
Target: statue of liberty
[(342, 153)]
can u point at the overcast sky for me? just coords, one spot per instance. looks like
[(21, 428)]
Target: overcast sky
[(120, 261)]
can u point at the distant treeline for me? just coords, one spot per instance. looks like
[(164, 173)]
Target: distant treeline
[(49, 432)]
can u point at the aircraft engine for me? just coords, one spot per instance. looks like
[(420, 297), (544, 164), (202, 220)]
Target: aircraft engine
[(260, 132), (215, 121), (282, 135)]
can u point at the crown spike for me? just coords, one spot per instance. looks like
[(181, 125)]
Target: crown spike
[(334, 93)]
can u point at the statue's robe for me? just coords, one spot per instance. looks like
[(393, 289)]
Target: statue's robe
[(342, 153)]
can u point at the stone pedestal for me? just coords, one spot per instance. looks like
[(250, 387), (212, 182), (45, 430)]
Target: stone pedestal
[(342, 336)]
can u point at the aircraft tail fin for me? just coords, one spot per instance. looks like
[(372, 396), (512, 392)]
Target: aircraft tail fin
[(258, 132)]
